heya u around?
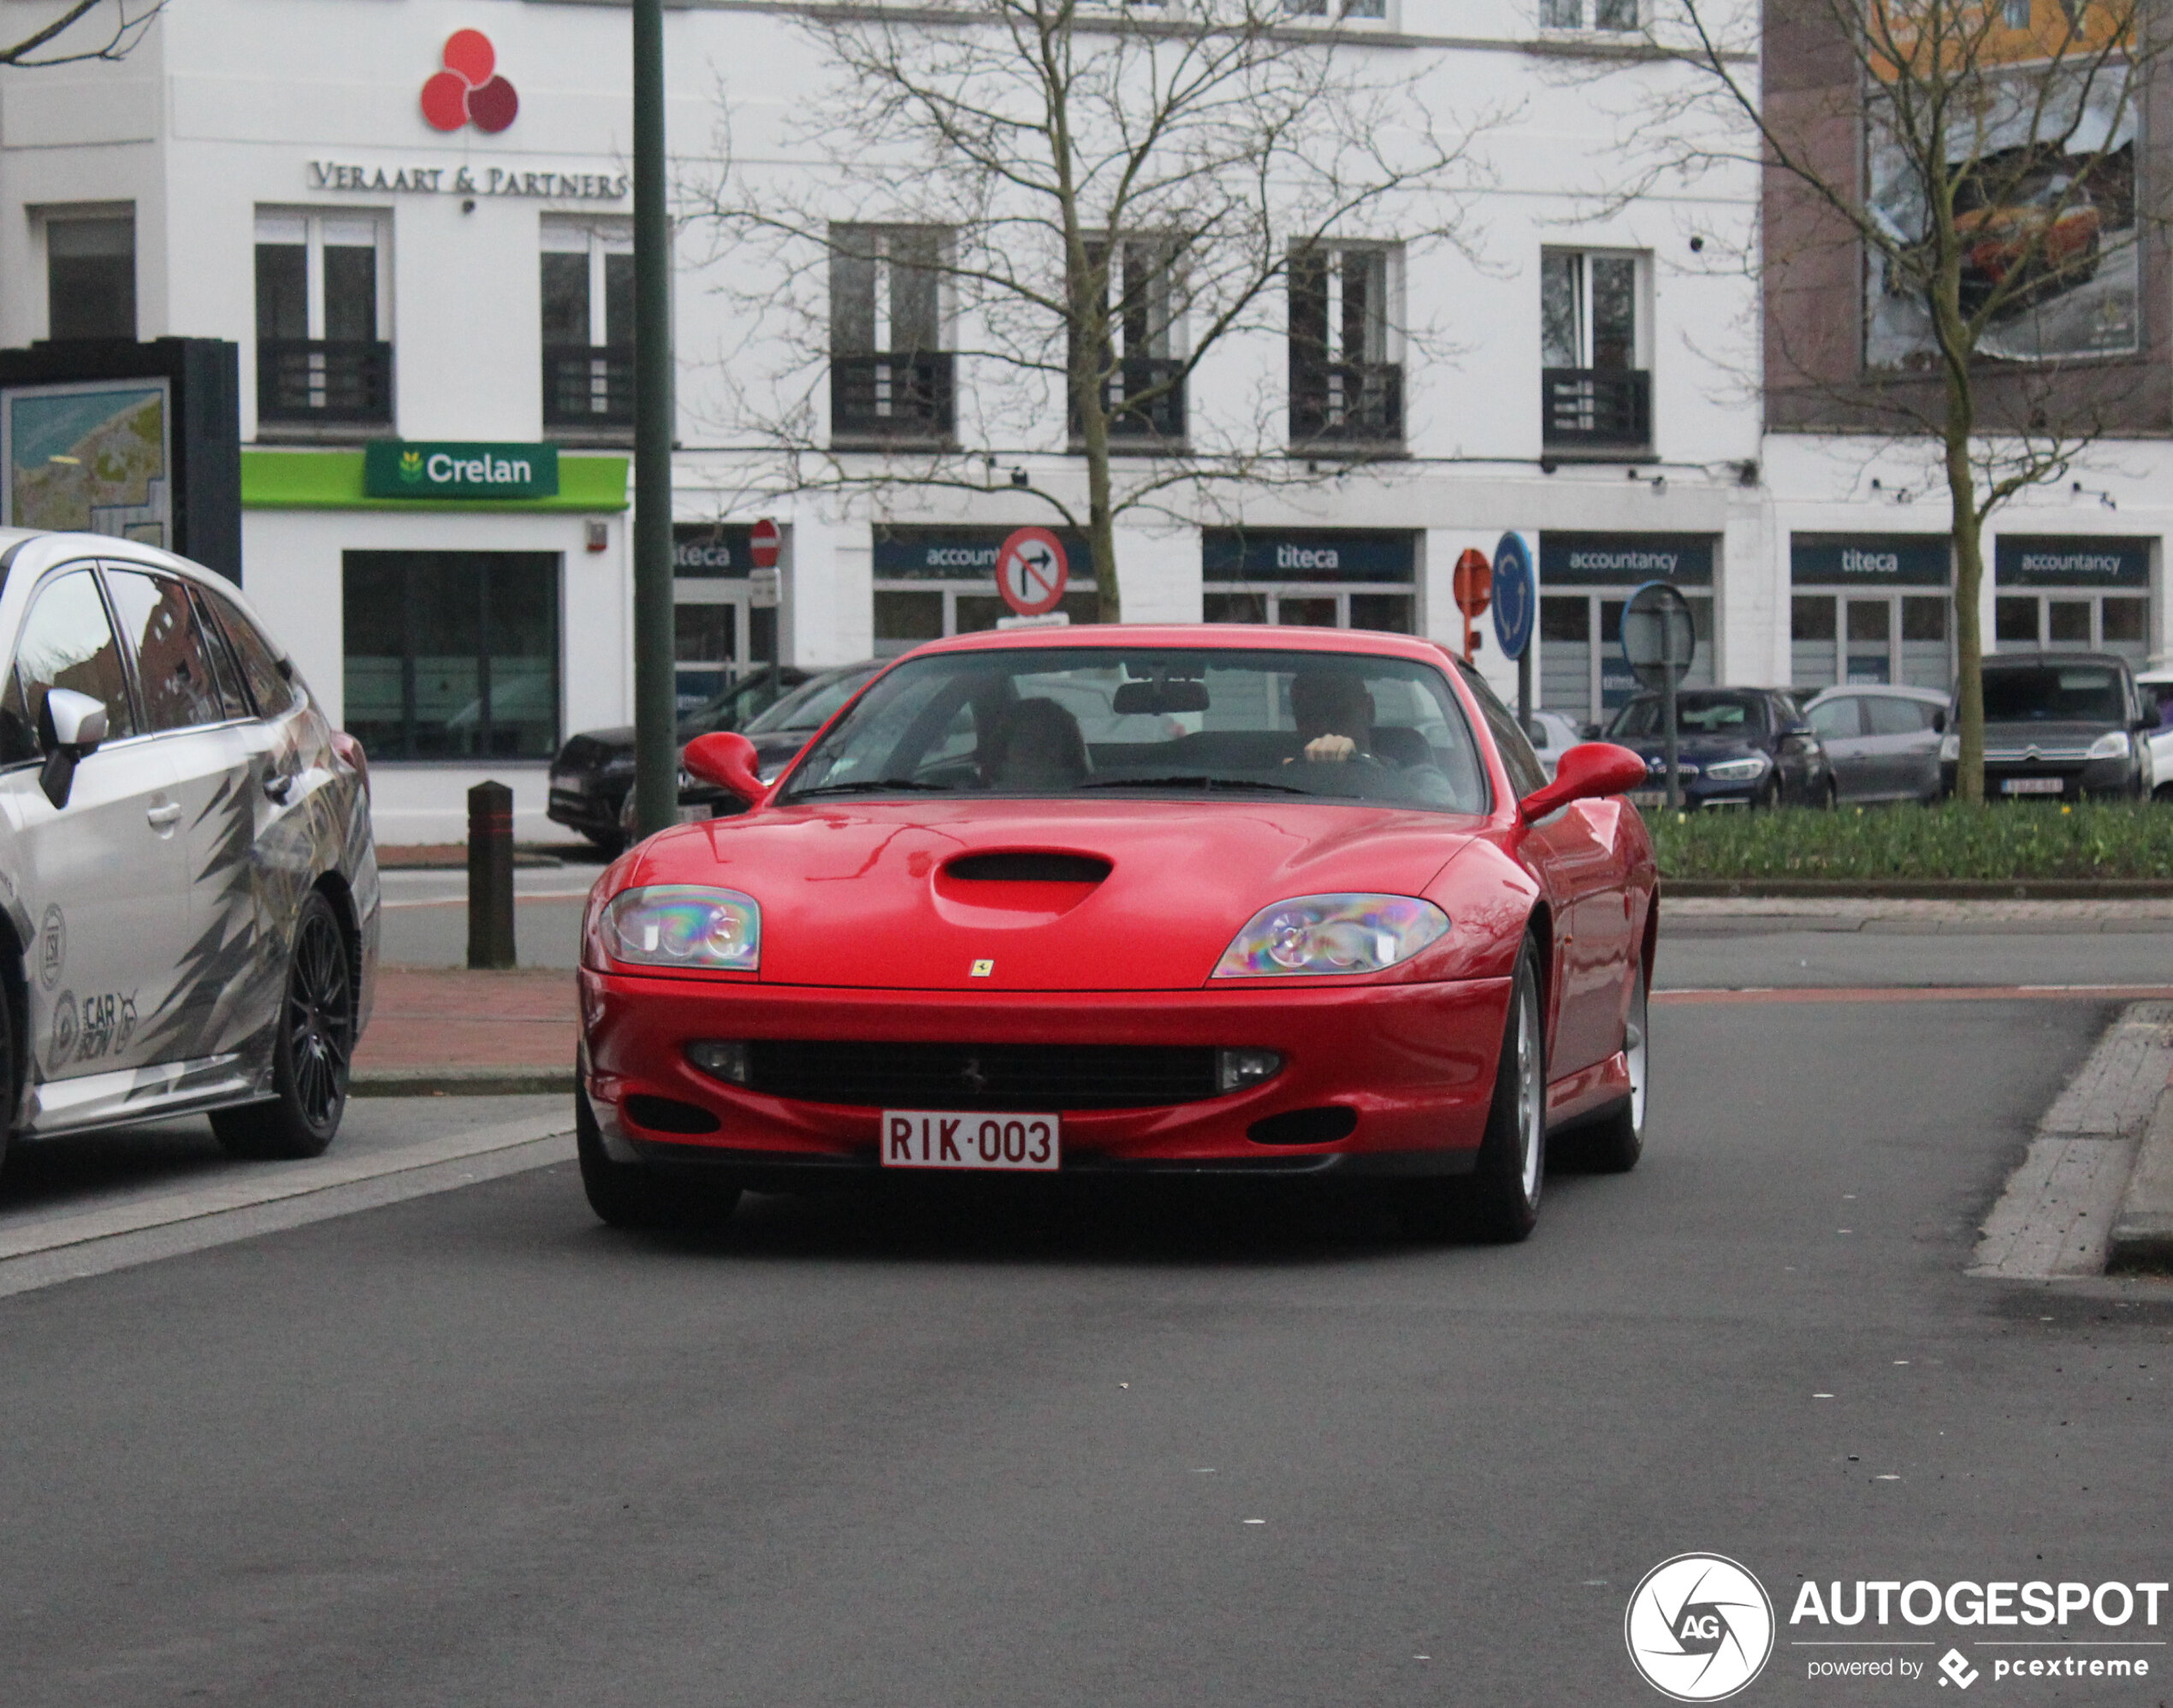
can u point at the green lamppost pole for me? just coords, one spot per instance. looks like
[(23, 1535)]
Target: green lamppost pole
[(656, 752)]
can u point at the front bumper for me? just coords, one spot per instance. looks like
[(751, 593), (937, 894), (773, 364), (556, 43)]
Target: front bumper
[(1414, 1064), (594, 806), (2078, 779)]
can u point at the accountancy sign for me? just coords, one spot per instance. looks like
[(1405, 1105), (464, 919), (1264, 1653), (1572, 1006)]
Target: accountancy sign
[(397, 468), (2040, 560), (1623, 559), (479, 182)]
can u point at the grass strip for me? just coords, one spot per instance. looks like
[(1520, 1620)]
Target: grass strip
[(2006, 841)]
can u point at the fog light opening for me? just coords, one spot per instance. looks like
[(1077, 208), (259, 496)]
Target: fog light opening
[(1237, 1070), (1329, 1124), (720, 1059)]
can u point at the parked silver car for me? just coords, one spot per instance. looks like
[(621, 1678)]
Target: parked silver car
[(189, 889), (1884, 740)]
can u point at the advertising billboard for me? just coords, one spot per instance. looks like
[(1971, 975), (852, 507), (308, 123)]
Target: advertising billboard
[(89, 457)]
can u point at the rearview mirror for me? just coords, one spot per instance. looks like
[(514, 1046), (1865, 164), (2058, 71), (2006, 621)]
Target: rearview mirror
[(1160, 697), (727, 759), (1586, 772), (70, 727)]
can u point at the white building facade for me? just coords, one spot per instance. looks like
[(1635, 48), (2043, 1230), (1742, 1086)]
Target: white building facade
[(412, 217)]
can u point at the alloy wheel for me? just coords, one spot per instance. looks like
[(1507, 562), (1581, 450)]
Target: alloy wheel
[(320, 1018)]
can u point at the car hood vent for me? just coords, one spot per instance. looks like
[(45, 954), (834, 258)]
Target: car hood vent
[(1028, 867)]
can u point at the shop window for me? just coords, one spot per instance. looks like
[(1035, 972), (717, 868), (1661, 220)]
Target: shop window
[(931, 583), (892, 368), (1813, 656), (453, 655), (90, 275), (1584, 678), (1836, 636), (323, 354), (588, 303), (1346, 386), (1144, 362), (1927, 646), (2074, 621), (1596, 388)]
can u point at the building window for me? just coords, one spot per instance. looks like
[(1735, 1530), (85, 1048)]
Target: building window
[(1346, 385), (587, 298), (323, 358), (90, 275), (2082, 593), (1595, 15), (933, 582), (1143, 390), (1311, 579), (1376, 10), (1596, 389), (891, 365), (452, 655)]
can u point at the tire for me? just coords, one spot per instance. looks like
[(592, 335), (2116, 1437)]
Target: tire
[(1829, 796), (1613, 1143), (313, 1049), (631, 1195), (1501, 1200), (8, 1084), (1774, 794)]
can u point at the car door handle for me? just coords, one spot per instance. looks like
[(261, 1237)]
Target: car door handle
[(163, 817)]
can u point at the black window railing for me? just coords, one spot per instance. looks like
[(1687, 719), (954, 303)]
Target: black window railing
[(1346, 402), (900, 395), (588, 385), (1595, 408), (336, 382), (1136, 409)]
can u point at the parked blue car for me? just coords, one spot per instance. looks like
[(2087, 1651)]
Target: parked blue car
[(1736, 746)]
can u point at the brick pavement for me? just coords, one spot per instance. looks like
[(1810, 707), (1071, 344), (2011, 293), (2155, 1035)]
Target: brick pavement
[(450, 1018)]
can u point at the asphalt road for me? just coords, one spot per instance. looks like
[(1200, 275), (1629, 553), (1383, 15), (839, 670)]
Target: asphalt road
[(475, 1449)]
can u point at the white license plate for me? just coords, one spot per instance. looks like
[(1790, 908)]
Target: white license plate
[(950, 1138), (2032, 785), (1647, 797)]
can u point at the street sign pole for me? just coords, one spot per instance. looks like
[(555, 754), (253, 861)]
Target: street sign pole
[(1516, 599), (656, 757), (1667, 743), (1659, 642)]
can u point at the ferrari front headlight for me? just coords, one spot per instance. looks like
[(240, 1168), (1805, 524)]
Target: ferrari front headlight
[(683, 925), (1332, 934)]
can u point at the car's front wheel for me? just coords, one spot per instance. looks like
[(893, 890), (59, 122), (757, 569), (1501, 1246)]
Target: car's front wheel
[(631, 1195), (312, 1048), (1499, 1199)]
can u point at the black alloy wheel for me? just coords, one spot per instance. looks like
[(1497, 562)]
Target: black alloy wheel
[(1499, 1202), (313, 1049)]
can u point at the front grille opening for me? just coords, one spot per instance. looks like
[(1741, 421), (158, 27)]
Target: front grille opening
[(668, 1114), (1030, 1077), (1027, 867), (1324, 1125)]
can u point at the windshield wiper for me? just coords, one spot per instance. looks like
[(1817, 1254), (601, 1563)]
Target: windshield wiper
[(873, 785), (1195, 781)]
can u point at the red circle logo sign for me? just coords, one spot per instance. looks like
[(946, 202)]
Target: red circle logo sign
[(1473, 583), (762, 543), (1031, 571), (469, 90)]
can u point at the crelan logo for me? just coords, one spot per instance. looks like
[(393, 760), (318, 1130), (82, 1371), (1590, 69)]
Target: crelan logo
[(410, 465)]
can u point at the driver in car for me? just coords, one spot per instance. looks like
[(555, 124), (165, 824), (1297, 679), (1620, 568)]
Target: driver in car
[(1334, 713)]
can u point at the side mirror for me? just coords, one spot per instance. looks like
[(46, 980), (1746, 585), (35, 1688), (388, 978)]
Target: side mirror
[(70, 727), (727, 759), (1939, 721), (1798, 731), (1586, 772)]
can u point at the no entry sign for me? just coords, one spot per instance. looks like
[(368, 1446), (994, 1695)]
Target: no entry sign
[(761, 544), (1031, 571)]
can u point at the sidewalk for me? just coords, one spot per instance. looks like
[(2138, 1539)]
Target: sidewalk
[(445, 1029), (1725, 914)]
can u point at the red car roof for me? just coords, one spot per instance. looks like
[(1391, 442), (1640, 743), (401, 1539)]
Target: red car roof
[(1225, 636)]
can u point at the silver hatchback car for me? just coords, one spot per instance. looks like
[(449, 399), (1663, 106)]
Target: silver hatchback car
[(189, 889)]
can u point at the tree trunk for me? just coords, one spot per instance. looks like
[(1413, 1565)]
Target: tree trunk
[(1968, 606)]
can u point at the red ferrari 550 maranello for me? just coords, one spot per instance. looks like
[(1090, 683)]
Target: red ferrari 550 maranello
[(1198, 901)]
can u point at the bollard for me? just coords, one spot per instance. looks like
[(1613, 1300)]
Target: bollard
[(490, 875)]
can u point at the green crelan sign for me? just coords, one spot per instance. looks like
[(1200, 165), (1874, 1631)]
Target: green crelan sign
[(427, 469)]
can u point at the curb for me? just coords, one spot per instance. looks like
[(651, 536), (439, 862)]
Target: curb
[(2142, 1228), (1921, 889), (461, 1082)]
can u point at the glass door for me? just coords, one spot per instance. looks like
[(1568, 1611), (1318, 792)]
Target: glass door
[(708, 630)]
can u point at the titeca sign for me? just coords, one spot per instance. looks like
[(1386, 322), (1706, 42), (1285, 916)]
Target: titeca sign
[(461, 469)]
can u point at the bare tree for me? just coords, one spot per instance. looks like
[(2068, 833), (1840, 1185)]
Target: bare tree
[(112, 28), (1952, 244), (1093, 200)]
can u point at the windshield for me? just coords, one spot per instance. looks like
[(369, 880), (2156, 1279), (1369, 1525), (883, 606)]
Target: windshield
[(808, 706), (2053, 694), (731, 707), (1696, 714), (1155, 721)]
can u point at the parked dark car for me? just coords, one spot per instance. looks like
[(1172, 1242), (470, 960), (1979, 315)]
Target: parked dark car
[(1736, 747), (593, 772), (1883, 741), (778, 734), (2062, 726)]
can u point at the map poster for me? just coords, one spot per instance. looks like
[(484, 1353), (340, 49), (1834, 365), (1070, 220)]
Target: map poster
[(90, 456)]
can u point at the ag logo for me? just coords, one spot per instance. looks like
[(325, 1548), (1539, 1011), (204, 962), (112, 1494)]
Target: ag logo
[(52, 947), (1698, 1628)]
